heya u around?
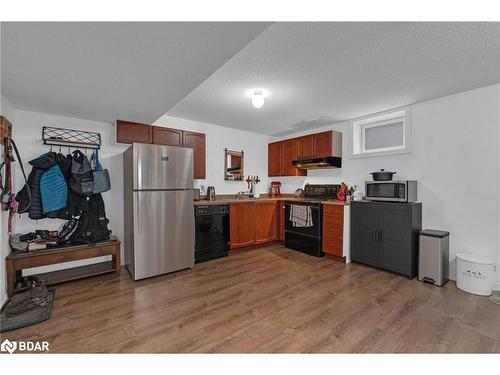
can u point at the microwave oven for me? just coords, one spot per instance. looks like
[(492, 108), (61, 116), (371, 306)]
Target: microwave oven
[(391, 191)]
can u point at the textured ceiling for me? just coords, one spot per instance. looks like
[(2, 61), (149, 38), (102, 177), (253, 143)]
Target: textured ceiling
[(105, 71), (320, 73)]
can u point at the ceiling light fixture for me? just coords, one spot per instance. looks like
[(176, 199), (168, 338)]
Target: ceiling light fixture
[(258, 99)]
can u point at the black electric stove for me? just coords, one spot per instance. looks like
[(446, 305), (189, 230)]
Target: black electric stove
[(308, 239)]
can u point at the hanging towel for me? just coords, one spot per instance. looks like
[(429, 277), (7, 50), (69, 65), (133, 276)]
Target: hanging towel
[(301, 216)]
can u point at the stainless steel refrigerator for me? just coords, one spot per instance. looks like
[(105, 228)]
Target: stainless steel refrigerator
[(158, 209)]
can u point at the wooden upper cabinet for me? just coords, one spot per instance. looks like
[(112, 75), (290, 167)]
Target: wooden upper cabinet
[(133, 132), (282, 154), (196, 141), (289, 155), (242, 224), (274, 159), (305, 147), (322, 143), (167, 136), (266, 221)]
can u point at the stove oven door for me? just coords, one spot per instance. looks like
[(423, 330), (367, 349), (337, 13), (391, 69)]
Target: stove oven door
[(304, 239)]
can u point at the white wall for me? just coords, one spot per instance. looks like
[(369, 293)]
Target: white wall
[(454, 158), (218, 138)]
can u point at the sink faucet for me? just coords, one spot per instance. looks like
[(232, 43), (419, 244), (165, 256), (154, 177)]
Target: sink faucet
[(241, 195)]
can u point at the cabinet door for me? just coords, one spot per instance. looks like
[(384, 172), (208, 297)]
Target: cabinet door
[(167, 136), (333, 230), (281, 220), (242, 224), (196, 141), (305, 147), (364, 245), (289, 155), (322, 144), (133, 132), (265, 222), (274, 159), (394, 237)]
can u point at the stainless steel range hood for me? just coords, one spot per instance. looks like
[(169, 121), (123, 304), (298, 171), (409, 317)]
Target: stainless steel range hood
[(326, 162)]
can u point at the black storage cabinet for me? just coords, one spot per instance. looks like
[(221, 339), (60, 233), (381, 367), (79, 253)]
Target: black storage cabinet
[(385, 235)]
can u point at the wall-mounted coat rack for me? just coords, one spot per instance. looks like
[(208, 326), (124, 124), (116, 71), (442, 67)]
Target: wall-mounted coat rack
[(5, 129), (71, 138)]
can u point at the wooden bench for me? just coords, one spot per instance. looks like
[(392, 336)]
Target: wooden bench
[(19, 260)]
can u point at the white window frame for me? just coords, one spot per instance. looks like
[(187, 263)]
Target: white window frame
[(358, 126)]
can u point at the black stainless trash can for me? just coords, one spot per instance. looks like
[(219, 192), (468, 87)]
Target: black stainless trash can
[(433, 258)]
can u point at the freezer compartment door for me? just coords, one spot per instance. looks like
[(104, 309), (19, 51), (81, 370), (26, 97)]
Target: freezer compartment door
[(162, 167), (163, 232)]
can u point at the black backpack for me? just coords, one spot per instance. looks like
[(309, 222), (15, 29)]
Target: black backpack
[(93, 224)]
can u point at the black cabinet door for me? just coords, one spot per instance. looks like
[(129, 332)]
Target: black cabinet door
[(394, 231), (364, 233)]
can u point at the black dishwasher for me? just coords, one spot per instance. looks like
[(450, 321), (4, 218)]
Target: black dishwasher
[(212, 231)]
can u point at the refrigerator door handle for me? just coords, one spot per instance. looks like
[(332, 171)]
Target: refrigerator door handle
[(138, 210)]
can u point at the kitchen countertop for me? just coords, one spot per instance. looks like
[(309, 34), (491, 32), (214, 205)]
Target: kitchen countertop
[(224, 199)]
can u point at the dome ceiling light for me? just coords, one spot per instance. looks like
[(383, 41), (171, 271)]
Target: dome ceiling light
[(258, 99)]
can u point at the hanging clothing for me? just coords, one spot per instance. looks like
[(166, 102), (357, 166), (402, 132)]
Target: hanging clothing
[(77, 203), (47, 198), (82, 179), (53, 190), (40, 165)]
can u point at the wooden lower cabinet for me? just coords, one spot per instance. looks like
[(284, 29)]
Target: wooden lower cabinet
[(266, 228), (333, 230), (253, 223), (242, 224), (281, 220)]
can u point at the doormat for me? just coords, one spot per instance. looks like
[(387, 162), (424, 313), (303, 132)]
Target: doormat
[(495, 297), (8, 323)]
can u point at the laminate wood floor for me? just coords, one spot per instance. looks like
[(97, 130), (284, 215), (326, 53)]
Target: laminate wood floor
[(268, 299)]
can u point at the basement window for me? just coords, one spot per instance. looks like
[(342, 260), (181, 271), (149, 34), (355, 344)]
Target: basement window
[(385, 133)]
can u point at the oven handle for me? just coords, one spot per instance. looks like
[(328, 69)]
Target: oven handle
[(303, 204)]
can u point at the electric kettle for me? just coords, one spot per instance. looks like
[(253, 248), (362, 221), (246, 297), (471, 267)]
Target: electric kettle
[(211, 193)]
